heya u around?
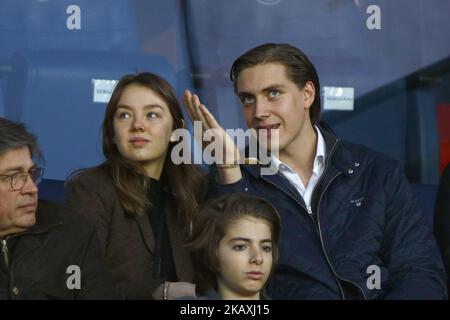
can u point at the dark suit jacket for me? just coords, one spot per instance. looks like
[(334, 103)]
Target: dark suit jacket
[(442, 219), (44, 261), (127, 242)]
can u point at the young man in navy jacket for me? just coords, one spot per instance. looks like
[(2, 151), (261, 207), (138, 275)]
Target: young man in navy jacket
[(351, 226)]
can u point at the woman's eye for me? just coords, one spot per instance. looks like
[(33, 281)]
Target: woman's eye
[(152, 115), (239, 247), (274, 93), (124, 115), (267, 248)]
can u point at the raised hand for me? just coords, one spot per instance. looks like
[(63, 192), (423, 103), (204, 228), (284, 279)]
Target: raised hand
[(227, 160)]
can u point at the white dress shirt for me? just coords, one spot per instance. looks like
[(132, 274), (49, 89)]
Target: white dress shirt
[(294, 178)]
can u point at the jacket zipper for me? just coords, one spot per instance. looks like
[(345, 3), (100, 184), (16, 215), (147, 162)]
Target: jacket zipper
[(309, 210), (317, 226), (5, 253), (318, 230), (323, 247), (5, 245)]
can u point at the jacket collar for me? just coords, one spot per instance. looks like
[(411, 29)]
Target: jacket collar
[(338, 158), (46, 219), (342, 159), (336, 154)]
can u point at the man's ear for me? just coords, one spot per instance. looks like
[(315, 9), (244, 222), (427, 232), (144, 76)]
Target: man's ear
[(309, 94)]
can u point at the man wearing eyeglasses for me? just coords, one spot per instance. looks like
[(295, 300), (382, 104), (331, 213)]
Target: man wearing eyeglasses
[(46, 253)]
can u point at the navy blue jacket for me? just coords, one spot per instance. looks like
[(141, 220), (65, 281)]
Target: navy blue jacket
[(364, 216)]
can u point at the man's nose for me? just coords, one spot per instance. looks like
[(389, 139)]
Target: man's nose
[(262, 108), (30, 186)]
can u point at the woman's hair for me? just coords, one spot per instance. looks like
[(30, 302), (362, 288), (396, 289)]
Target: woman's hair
[(187, 183), (213, 221)]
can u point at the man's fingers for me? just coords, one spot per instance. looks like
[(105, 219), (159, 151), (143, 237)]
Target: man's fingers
[(209, 118), (198, 112), (187, 99)]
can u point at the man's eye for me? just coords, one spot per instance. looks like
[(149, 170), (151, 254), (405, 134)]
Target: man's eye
[(239, 247), (247, 99), (274, 93)]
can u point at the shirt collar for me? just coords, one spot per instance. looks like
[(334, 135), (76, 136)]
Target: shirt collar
[(319, 159)]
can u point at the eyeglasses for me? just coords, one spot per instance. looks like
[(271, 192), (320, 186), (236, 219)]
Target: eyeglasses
[(18, 180)]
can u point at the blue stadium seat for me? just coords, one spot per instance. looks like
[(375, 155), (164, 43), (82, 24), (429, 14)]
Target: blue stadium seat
[(2, 103), (345, 51), (42, 25)]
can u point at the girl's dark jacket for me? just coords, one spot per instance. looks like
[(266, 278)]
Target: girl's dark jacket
[(127, 242)]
